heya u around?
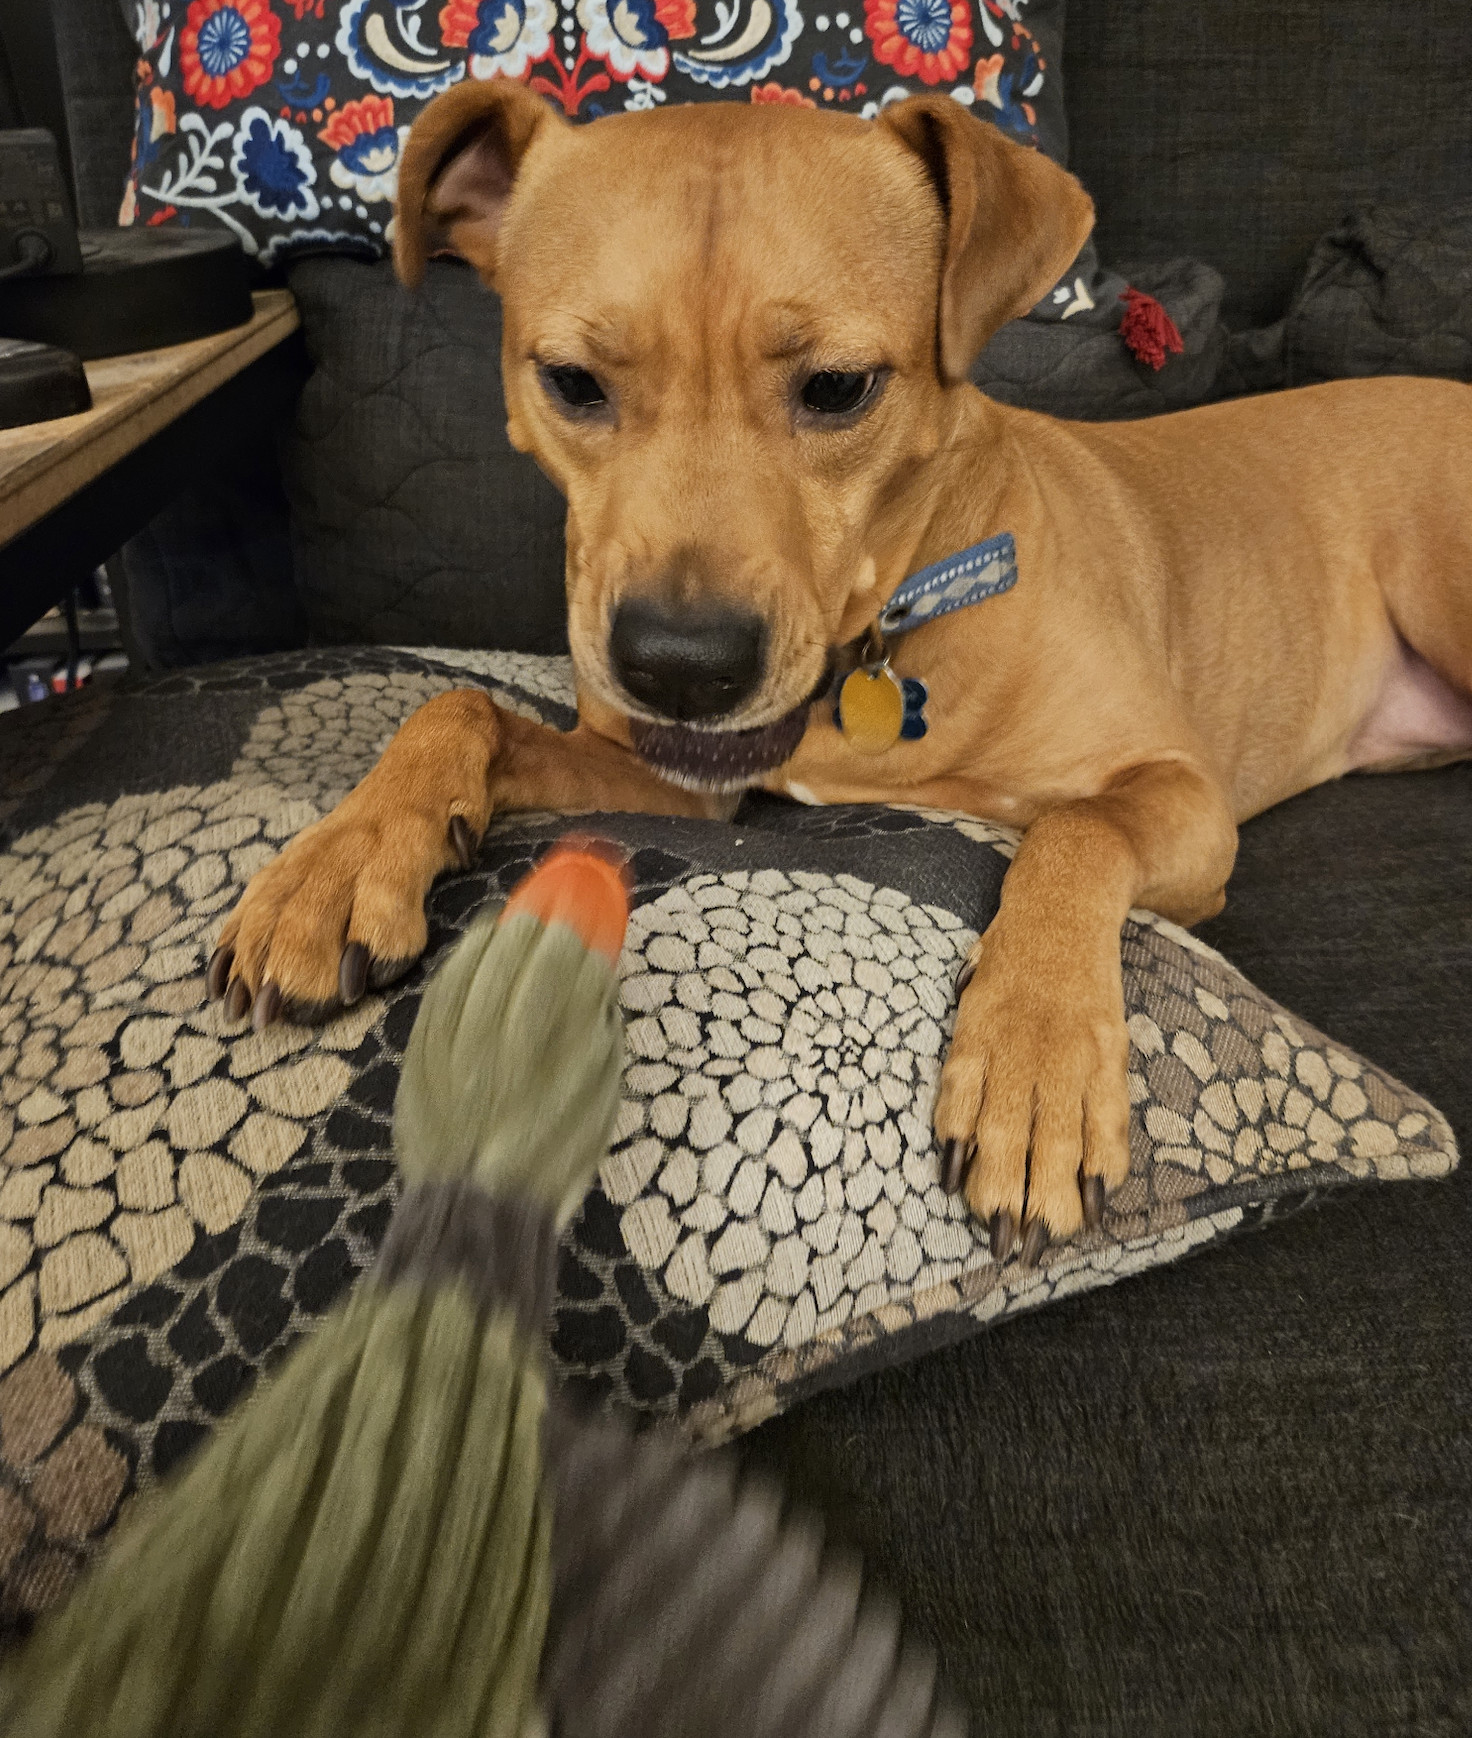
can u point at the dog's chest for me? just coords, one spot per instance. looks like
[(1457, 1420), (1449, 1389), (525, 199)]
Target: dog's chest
[(929, 773)]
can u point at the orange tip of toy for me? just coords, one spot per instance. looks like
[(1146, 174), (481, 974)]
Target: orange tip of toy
[(582, 882)]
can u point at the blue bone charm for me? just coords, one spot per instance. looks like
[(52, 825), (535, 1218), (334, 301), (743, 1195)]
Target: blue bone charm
[(916, 694)]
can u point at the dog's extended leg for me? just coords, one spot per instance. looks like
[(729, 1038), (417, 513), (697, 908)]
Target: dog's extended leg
[(1033, 1109), (342, 907)]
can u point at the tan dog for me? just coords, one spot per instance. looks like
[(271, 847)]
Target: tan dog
[(737, 338)]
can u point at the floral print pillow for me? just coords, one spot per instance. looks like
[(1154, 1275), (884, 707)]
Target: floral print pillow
[(282, 121)]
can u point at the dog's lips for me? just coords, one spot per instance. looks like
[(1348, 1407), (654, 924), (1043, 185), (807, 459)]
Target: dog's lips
[(718, 760)]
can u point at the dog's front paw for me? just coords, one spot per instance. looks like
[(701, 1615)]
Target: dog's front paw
[(341, 910), (1033, 1111)]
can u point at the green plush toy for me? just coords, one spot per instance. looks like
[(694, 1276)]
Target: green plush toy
[(403, 1532)]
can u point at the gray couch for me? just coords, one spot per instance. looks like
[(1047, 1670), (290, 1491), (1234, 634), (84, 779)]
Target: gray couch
[(1235, 1497)]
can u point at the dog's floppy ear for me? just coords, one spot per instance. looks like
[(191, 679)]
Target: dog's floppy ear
[(458, 168), (1014, 222)]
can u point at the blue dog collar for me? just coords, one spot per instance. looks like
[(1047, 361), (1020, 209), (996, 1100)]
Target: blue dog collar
[(874, 708), (984, 570)]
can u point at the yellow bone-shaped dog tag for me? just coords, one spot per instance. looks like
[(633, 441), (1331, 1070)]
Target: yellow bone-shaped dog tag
[(871, 710)]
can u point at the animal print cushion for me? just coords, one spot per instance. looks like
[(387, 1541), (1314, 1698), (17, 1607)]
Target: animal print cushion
[(180, 1198)]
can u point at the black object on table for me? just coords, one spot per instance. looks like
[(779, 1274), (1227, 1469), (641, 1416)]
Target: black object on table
[(39, 382), (136, 289)]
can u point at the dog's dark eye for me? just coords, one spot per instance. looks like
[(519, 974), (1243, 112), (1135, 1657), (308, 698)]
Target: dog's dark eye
[(835, 393), (575, 387)]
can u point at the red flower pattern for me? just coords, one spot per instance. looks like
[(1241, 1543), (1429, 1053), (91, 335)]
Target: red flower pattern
[(928, 39), (677, 17), (775, 93), (366, 115), (457, 20), (227, 49)]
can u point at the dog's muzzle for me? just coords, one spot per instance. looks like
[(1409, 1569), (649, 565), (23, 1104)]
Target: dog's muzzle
[(718, 761), (722, 761)]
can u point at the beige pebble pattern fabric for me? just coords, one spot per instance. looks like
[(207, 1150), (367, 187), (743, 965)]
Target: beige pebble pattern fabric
[(180, 1198), (776, 1164), (130, 1118)]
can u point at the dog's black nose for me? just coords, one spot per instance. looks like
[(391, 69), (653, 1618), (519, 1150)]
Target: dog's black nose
[(686, 664)]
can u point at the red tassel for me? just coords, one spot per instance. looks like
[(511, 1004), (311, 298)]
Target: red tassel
[(1148, 330)]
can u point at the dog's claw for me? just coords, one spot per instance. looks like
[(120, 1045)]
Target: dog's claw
[(352, 973), (1001, 1232), (382, 973), (1091, 1191), (964, 976), (217, 973), (1034, 1242), (267, 1006), (237, 1001), (952, 1165), (462, 840)]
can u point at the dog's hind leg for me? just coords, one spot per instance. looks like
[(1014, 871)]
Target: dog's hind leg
[(341, 910), (1422, 715), (1419, 719)]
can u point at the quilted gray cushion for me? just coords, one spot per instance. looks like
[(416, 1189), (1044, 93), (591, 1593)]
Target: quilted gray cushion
[(1388, 292), (1086, 372), (415, 523), (1239, 134)]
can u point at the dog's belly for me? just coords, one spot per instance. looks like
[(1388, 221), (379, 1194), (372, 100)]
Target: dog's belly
[(1418, 719)]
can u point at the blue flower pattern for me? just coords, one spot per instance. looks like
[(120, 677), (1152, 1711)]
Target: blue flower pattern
[(273, 168), (927, 23), (224, 42)]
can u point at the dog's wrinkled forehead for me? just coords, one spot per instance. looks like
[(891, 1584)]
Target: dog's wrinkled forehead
[(699, 211), (719, 222)]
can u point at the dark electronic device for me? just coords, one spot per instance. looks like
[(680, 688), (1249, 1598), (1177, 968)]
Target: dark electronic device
[(37, 233), (104, 292), (139, 289), (38, 383)]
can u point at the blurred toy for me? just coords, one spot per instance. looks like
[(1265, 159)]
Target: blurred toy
[(403, 1532)]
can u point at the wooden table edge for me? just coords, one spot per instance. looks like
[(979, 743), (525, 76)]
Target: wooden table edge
[(51, 477)]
